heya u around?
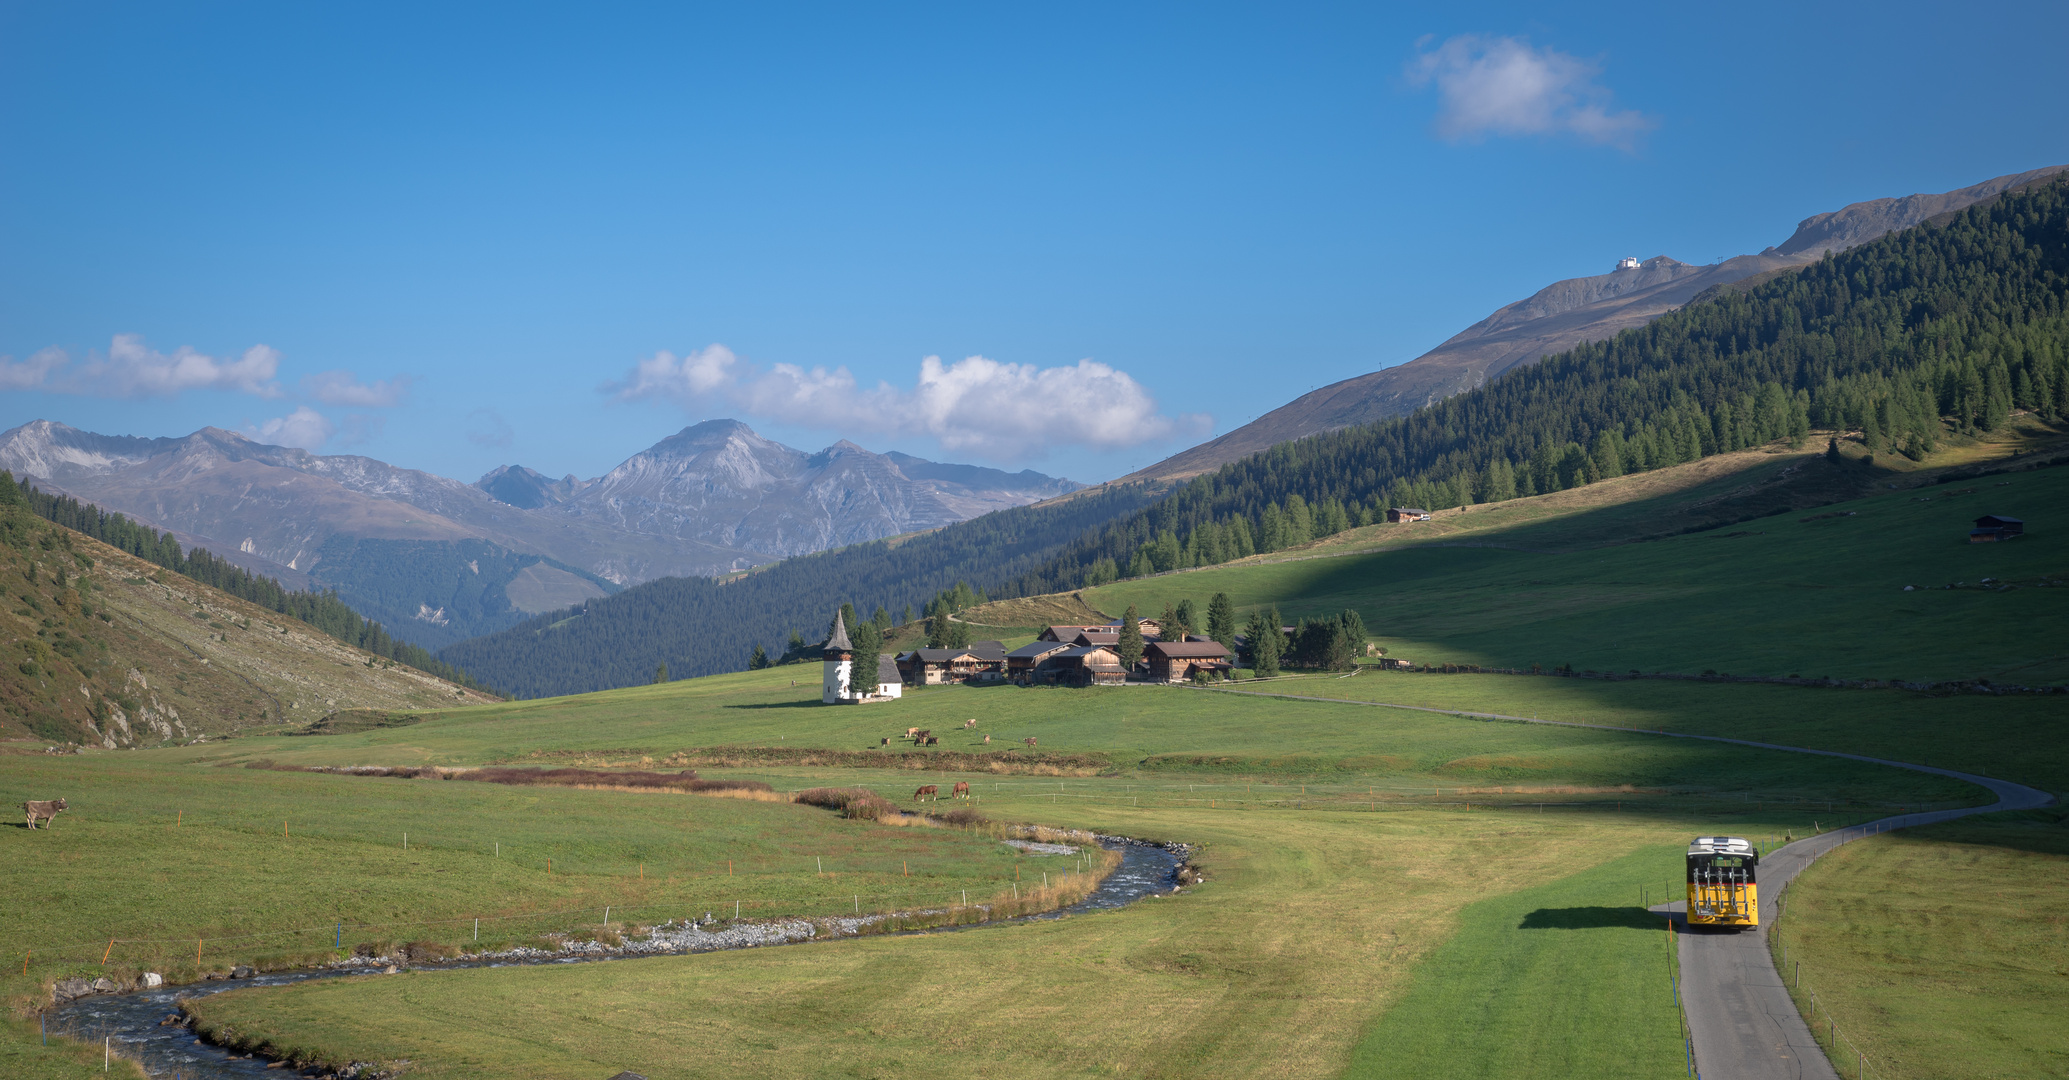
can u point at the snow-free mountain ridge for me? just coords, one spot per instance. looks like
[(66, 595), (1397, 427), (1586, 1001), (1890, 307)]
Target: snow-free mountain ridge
[(1561, 316)]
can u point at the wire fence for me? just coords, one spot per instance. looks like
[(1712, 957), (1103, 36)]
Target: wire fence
[(1840, 1048)]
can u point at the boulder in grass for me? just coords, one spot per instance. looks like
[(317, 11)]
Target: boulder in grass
[(105, 985), (152, 979), (242, 971), (67, 989)]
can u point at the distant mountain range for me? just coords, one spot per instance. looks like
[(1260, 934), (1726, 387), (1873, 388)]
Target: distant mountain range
[(438, 560), (1559, 317)]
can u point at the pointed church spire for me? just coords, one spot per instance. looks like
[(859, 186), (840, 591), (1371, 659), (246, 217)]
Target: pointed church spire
[(839, 638)]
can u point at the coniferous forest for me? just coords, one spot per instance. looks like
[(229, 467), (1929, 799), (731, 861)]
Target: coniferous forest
[(324, 610), (1954, 323)]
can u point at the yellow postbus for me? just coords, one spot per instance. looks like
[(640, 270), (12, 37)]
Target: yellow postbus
[(1721, 887)]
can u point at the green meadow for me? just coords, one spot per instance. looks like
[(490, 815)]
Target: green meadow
[(1939, 951), (1814, 592)]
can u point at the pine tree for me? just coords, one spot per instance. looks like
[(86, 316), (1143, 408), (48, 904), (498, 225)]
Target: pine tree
[(1221, 620), (1129, 648), (756, 660), (939, 629), (661, 673), (958, 635), (795, 647), (1188, 619), (1267, 643), (1173, 629), (868, 646)]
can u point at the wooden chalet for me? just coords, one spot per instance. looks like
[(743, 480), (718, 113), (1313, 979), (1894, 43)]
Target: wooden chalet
[(1407, 513), (983, 662), (1178, 661), (1991, 528), (1068, 634), (1022, 663), (1084, 665)]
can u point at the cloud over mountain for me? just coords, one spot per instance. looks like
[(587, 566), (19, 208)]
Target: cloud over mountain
[(132, 369), (1504, 86), (975, 405)]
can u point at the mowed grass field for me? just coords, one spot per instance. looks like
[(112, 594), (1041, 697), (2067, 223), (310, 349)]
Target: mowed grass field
[(1941, 951), (1812, 593), (1310, 927), (253, 866)]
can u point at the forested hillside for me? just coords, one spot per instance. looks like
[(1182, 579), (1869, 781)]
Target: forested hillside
[(324, 611), (702, 626), (1956, 323)]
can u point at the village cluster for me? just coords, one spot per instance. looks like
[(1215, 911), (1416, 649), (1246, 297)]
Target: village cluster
[(1080, 655)]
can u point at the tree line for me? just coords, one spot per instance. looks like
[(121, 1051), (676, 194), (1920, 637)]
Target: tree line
[(1943, 326), (323, 610)]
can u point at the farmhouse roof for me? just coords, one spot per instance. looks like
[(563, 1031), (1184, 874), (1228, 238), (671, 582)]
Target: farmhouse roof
[(989, 650), (1410, 510), (1991, 521), (1092, 656), (1038, 649), (887, 670), (1186, 650)]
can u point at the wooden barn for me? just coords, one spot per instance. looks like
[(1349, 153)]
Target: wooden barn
[(1178, 661), (1084, 665), (1991, 528), (983, 662), (1407, 513), (1023, 663)]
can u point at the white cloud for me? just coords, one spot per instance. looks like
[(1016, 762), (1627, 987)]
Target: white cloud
[(131, 369), (975, 405), (33, 373), (344, 388), (304, 427), (1503, 86)]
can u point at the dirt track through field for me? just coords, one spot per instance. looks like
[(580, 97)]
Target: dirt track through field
[(1742, 1022)]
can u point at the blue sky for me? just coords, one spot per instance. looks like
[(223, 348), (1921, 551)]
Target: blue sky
[(466, 237)]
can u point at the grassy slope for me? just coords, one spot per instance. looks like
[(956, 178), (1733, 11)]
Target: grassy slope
[(1522, 584), (202, 662), (1940, 951)]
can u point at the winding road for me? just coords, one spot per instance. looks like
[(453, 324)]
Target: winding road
[(1740, 1017)]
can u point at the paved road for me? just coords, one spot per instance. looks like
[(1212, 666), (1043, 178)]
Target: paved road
[(1740, 1016)]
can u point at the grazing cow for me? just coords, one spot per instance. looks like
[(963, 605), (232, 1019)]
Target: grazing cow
[(886, 742), (44, 810), (1030, 741), (933, 739), (930, 791), (911, 731), (961, 790), (920, 735), (987, 740), (970, 723)]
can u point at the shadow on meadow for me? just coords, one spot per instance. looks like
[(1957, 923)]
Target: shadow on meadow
[(1591, 918)]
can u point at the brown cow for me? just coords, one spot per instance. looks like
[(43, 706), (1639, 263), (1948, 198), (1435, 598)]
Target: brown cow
[(961, 790), (43, 809), (1030, 741), (933, 740), (929, 790), (887, 741), (919, 735), (911, 731), (970, 723), (987, 740)]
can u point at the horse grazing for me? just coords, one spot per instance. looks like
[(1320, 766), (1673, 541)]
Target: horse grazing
[(44, 810), (930, 791), (1030, 741), (961, 790)]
